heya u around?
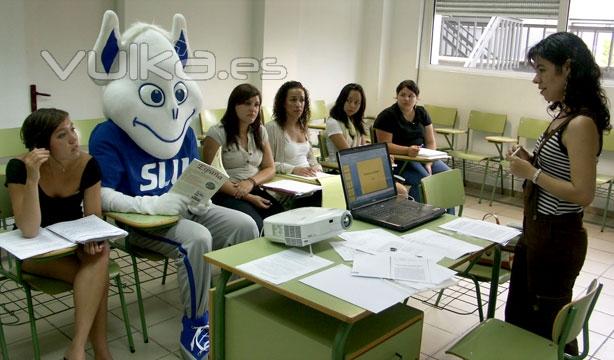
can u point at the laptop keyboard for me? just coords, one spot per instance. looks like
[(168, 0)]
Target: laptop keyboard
[(387, 211)]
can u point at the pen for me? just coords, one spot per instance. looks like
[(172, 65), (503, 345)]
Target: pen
[(515, 151)]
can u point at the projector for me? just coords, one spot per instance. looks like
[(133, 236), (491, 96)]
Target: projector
[(306, 226)]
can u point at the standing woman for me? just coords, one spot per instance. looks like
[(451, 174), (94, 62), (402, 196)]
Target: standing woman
[(47, 185), (289, 135), (407, 127), (560, 181), (246, 155)]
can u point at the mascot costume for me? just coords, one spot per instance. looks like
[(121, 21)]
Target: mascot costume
[(144, 146)]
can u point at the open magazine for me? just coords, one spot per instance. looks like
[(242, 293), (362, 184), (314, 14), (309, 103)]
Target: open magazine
[(199, 182), (59, 236)]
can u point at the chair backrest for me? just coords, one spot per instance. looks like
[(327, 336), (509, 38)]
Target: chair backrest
[(441, 115), (10, 143), (6, 210), (217, 161), (487, 122), (530, 128), (573, 318), (267, 114), (323, 147), (210, 117), (85, 128), (608, 141), (318, 110), (444, 190), (373, 135)]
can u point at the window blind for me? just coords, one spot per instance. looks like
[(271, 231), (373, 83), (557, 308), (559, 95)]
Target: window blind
[(527, 9)]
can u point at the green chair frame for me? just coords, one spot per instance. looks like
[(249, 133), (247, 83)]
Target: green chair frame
[(480, 122), (140, 224), (606, 180), (444, 120), (445, 190), (528, 129), (85, 128), (318, 110), (267, 114), (326, 164), (208, 118), (508, 341), (10, 269)]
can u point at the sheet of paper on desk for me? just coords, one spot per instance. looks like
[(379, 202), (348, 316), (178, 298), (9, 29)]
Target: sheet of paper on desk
[(291, 187), (400, 266), (428, 243), (371, 294), (318, 175), (432, 154), (482, 229), (372, 241), (346, 253), (89, 228), (23, 248), (284, 265)]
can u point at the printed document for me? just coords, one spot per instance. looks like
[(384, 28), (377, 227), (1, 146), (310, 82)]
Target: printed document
[(199, 182), (371, 294), (432, 154), (23, 248), (284, 266), (433, 245), (372, 241), (291, 187), (400, 267), (89, 228), (482, 229)]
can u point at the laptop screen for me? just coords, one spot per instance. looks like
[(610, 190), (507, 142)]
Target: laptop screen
[(366, 175)]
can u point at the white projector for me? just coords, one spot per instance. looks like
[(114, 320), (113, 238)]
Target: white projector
[(306, 226)]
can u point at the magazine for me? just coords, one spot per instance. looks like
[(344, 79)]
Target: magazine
[(199, 182)]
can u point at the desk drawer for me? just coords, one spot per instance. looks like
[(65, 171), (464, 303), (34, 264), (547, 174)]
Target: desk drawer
[(261, 324)]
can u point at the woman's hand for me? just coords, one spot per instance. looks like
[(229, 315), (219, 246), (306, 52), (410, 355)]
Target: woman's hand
[(258, 201), (243, 188), (304, 171), (519, 152), (33, 160), (413, 150), (521, 167), (429, 167), (94, 247)]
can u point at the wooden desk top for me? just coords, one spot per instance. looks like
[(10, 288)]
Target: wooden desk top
[(450, 131), (316, 126), (231, 257), (501, 139), (143, 221), (421, 159)]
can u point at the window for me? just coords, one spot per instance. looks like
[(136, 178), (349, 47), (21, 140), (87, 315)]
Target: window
[(496, 34)]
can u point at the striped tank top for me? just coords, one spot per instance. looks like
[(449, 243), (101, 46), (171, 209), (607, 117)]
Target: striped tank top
[(554, 160)]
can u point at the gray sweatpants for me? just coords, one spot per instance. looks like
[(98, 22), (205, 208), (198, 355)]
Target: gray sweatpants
[(189, 240)]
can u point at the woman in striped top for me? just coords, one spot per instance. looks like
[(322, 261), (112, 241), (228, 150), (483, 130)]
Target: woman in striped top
[(560, 182)]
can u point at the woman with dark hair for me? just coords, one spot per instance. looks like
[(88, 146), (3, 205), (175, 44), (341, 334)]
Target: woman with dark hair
[(407, 127), (345, 127), (246, 155), (560, 181), (288, 134), (55, 181)]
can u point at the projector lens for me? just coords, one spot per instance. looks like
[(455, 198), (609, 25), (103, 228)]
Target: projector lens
[(347, 220)]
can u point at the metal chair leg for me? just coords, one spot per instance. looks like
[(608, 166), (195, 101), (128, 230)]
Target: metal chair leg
[(164, 270), (5, 351), (122, 300), (139, 298), (33, 331), (607, 205), (484, 180), (478, 297)]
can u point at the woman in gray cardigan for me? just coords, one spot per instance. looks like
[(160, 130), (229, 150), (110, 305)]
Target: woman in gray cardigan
[(288, 133)]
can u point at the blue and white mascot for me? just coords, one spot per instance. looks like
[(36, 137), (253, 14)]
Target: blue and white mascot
[(145, 145)]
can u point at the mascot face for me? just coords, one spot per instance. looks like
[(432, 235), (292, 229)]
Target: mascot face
[(154, 101)]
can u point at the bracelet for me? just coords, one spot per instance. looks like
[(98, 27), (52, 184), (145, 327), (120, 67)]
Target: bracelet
[(536, 175), (251, 179)]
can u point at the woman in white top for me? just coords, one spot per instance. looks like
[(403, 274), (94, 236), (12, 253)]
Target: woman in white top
[(345, 127), (289, 133), (246, 155)]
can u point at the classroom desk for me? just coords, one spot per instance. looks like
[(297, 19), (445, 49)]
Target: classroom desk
[(229, 258), (420, 159)]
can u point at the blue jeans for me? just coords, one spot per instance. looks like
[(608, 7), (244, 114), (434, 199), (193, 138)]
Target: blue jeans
[(415, 171)]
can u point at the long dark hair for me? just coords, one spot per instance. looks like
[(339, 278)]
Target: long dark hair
[(279, 106), (337, 112), (230, 120), (583, 92), (37, 128)]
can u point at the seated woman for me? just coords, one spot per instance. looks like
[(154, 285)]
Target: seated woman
[(288, 136), (406, 128), (345, 127), (48, 185), (246, 155)]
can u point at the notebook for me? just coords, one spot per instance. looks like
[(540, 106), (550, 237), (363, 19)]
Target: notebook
[(370, 193)]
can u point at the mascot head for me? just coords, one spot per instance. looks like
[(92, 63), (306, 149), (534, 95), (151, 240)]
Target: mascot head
[(146, 91)]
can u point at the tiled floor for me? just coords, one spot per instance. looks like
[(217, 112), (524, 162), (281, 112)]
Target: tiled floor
[(441, 327)]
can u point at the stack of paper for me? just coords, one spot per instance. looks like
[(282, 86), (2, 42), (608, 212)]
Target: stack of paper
[(90, 228), (291, 187), (482, 229), (432, 154)]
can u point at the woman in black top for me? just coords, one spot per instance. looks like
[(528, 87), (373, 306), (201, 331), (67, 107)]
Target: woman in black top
[(48, 185), (406, 128)]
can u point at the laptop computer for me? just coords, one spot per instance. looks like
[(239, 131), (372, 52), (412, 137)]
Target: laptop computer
[(370, 193)]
